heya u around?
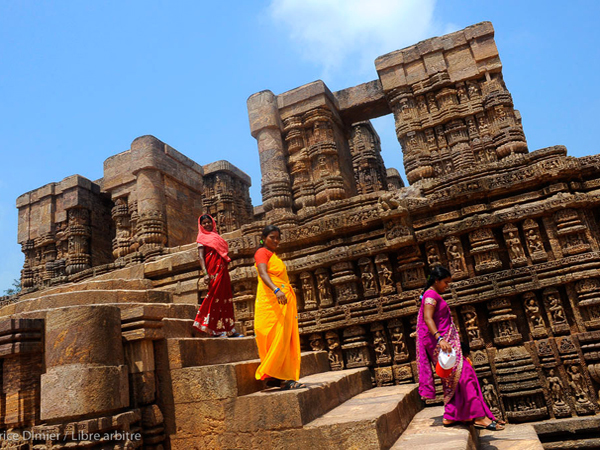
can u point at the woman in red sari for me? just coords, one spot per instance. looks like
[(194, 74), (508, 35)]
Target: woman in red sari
[(215, 315)]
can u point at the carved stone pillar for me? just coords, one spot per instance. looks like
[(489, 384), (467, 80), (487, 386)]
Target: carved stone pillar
[(410, 268), (78, 234), (520, 385), (141, 326), (325, 154), (344, 280), (507, 132), (299, 163), (504, 323), (514, 246), (484, 249), (571, 232), (121, 244), (265, 126), (21, 365), (588, 295), (356, 348), (365, 148), (151, 227)]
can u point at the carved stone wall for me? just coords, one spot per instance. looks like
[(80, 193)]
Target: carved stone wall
[(64, 228), (149, 200)]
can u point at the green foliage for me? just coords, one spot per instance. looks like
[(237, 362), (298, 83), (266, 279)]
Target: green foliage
[(15, 289)]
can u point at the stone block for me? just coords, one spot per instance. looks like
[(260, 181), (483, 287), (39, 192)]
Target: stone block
[(79, 390), (514, 437), (276, 409), (84, 335)]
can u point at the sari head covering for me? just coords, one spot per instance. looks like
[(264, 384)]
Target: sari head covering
[(212, 239)]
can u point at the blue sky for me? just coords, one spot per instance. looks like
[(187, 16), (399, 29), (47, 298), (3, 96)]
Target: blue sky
[(80, 80)]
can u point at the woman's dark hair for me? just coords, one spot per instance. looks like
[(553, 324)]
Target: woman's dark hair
[(205, 216), (437, 273), (265, 232), (465, 348)]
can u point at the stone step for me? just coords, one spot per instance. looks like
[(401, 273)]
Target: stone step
[(191, 352), (426, 432), (92, 285), (514, 437), (373, 419), (223, 381), (274, 409), (86, 297)]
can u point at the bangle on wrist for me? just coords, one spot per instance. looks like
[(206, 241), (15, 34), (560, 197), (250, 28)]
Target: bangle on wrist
[(276, 291)]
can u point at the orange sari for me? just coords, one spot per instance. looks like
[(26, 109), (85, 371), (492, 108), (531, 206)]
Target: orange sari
[(276, 327)]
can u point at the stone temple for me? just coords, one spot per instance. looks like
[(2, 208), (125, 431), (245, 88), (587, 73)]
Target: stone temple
[(98, 350)]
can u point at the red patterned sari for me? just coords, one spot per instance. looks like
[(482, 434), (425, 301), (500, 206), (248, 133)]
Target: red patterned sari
[(215, 315)]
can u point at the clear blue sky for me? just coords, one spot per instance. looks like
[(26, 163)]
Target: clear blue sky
[(80, 80)]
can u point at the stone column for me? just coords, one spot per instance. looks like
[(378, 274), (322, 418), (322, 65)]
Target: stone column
[(265, 127), (78, 236), (85, 371), (21, 364)]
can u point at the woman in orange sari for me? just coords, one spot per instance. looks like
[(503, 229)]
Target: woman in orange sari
[(215, 314), (275, 317)]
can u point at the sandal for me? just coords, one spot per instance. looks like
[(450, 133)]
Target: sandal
[(291, 384), (273, 382), (493, 426), (449, 423)]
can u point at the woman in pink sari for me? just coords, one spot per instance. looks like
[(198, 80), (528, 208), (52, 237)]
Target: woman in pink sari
[(463, 400), (215, 315)]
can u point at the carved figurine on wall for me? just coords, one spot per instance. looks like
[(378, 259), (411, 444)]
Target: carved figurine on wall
[(380, 345), (308, 291), (556, 388), (489, 395), (336, 360), (367, 277), (556, 310), (316, 342), (534, 241), (398, 341), (577, 383), (385, 278), (533, 312), (324, 288)]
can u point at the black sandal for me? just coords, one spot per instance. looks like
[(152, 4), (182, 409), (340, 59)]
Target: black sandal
[(291, 384), (492, 426), (273, 382)]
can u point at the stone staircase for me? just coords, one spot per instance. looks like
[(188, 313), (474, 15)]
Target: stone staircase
[(217, 404)]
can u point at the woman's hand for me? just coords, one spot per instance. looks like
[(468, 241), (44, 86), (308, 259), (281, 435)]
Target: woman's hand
[(445, 346), (281, 298), (207, 279)]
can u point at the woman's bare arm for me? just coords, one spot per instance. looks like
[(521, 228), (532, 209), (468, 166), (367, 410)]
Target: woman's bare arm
[(264, 276), (428, 311)]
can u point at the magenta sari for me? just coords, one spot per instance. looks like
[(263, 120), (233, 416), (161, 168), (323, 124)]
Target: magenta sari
[(462, 394)]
